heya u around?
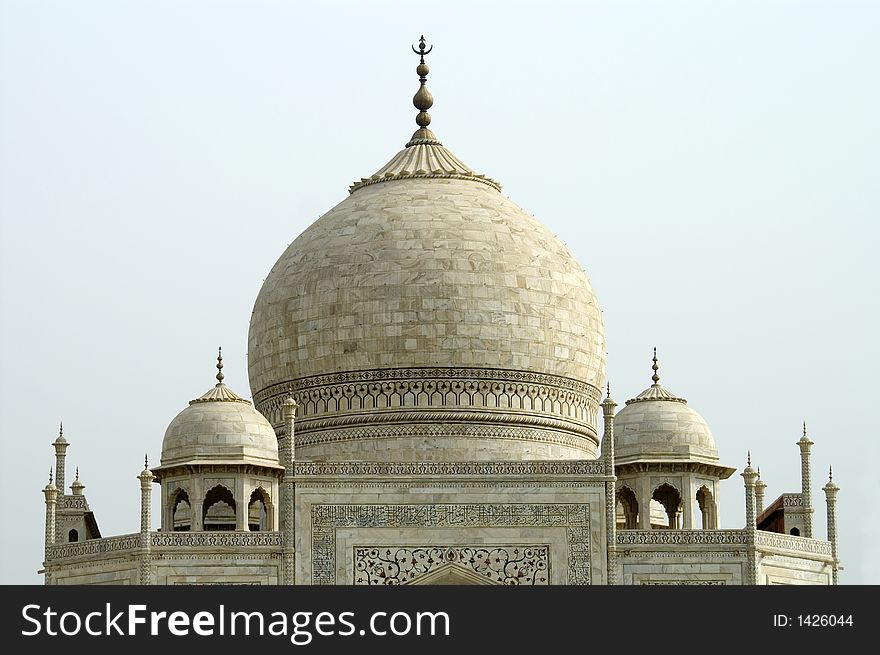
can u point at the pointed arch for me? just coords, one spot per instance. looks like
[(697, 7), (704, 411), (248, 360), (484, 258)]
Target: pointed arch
[(627, 509), (218, 509), (670, 498), (708, 509), (260, 511), (181, 511)]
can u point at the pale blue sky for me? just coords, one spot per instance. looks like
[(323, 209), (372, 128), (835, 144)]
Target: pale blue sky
[(713, 166)]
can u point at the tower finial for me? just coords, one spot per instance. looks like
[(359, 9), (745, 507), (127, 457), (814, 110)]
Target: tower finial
[(805, 428), (423, 100), (220, 375), (656, 367), (146, 464), (50, 475), (61, 428), (748, 458), (829, 474), (77, 473)]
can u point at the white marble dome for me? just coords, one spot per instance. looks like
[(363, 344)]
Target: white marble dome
[(658, 426), (427, 316), (220, 427)]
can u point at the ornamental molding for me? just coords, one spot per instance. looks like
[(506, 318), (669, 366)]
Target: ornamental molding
[(680, 555), (510, 565), (432, 373), (681, 537), (450, 415), (444, 430), (432, 388), (385, 484), (472, 177), (327, 519), (682, 582), (396, 469)]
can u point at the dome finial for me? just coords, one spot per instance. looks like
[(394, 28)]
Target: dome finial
[(423, 100), (655, 377), (829, 474), (220, 375)]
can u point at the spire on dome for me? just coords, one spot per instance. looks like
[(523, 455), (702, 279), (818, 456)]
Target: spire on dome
[(220, 375), (422, 100), (219, 392), (656, 367)]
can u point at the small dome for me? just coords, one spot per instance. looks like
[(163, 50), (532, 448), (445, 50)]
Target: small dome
[(219, 427), (657, 425)]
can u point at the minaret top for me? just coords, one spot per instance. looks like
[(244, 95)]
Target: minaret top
[(60, 439), (77, 486), (830, 488), (804, 441)]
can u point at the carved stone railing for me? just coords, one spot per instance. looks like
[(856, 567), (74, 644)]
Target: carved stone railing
[(786, 542), (558, 467), (215, 539), (681, 537), (121, 545)]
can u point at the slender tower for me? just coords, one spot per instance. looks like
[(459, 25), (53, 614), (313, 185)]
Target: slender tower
[(760, 487), (50, 491), (831, 490), (288, 495), (61, 445), (805, 444), (146, 477), (749, 476), (608, 406)]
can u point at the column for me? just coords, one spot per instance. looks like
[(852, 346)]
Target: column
[(804, 444), (50, 491), (61, 445), (608, 406), (146, 477), (759, 494), (241, 505), (644, 496), (831, 490), (287, 498), (749, 476)]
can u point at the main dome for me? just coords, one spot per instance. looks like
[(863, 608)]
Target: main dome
[(428, 317)]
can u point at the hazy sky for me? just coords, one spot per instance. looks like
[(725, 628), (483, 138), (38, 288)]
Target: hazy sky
[(712, 165)]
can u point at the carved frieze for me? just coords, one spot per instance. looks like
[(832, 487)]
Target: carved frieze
[(510, 565)]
